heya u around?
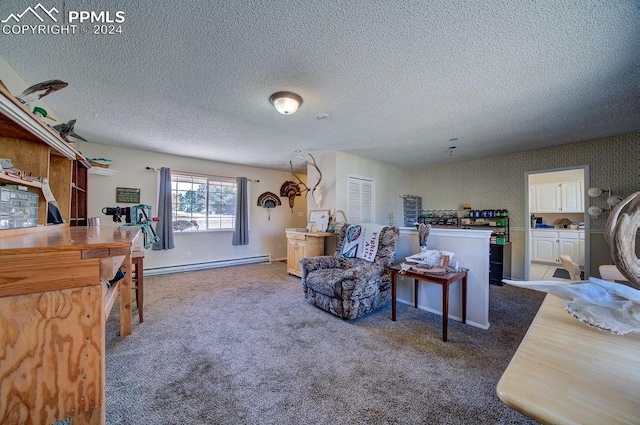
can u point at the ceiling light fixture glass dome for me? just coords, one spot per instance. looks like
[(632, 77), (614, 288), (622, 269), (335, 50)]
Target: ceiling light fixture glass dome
[(285, 102)]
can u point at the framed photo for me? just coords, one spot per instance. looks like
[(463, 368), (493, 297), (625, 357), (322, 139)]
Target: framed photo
[(321, 218)]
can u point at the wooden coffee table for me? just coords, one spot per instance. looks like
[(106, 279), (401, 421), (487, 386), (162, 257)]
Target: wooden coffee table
[(441, 279)]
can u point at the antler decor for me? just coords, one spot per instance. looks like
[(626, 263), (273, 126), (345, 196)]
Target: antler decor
[(620, 232), (315, 190)]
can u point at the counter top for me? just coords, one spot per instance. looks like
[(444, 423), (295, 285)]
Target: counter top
[(65, 238), (307, 233), (552, 229), (567, 372)]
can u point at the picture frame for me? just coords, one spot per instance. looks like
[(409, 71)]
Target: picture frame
[(128, 195), (321, 219)]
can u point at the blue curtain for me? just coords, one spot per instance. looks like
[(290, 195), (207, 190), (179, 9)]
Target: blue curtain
[(241, 233), (164, 229)]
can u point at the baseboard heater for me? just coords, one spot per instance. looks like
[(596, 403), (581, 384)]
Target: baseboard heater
[(207, 265)]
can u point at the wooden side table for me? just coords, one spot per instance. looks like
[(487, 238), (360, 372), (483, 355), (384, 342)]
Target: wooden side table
[(444, 279)]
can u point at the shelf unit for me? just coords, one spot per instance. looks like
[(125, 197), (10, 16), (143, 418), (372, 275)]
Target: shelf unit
[(40, 152), (102, 171), (499, 227), (500, 247), (439, 221), (78, 213)]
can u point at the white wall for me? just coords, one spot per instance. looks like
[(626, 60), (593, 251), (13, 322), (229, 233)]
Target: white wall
[(265, 237), (390, 182)]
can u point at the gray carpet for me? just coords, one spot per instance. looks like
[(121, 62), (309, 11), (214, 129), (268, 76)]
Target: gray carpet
[(240, 345)]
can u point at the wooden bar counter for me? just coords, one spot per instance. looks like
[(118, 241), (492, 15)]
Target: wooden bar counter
[(566, 372), (52, 321)]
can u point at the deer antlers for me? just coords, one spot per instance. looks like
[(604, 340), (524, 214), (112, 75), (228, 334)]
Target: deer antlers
[(306, 189)]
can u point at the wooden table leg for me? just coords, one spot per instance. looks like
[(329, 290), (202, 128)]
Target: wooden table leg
[(393, 295), (445, 310), (125, 298), (464, 299)]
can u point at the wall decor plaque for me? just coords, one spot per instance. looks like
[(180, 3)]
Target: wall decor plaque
[(128, 195)]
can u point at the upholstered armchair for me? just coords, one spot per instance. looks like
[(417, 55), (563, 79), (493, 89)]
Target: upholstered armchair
[(350, 287)]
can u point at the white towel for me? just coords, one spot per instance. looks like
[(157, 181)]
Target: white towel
[(361, 241)]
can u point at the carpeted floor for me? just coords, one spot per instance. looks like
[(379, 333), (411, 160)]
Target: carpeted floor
[(240, 345)]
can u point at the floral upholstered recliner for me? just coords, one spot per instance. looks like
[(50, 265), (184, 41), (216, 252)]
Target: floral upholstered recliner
[(350, 287)]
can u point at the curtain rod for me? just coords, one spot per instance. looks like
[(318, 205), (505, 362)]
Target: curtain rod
[(189, 173)]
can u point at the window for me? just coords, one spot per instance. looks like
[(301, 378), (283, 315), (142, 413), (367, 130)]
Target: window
[(361, 202), (203, 203)]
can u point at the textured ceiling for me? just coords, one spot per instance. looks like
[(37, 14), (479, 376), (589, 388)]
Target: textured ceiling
[(398, 80)]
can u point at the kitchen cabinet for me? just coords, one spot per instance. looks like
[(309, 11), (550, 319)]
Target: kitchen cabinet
[(544, 247), (301, 244), (572, 197), (558, 197), (547, 246), (546, 197), (569, 244)]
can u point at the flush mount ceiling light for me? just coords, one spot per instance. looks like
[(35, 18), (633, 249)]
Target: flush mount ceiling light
[(285, 102)]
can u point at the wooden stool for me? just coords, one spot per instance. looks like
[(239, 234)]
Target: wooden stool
[(137, 279)]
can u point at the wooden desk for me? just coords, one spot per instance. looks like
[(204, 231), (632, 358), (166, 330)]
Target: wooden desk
[(566, 372), (445, 280), (52, 321)]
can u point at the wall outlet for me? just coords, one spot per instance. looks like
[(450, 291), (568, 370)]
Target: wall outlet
[(279, 246), (300, 214), (188, 255)]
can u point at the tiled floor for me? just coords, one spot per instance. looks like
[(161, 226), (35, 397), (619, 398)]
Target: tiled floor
[(543, 272)]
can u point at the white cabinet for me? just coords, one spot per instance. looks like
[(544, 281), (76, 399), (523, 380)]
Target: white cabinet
[(572, 197), (569, 244), (557, 197), (546, 197), (547, 246)]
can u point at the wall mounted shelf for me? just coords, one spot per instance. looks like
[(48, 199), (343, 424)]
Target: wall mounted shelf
[(102, 171)]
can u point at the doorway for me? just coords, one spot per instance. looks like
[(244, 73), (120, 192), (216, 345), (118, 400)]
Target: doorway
[(555, 202)]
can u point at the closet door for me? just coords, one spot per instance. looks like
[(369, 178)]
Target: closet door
[(361, 200)]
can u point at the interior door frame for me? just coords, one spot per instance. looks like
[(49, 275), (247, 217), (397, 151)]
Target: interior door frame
[(587, 221)]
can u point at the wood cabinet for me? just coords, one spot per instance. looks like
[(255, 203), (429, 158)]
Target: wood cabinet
[(558, 197), (52, 296), (45, 159), (53, 311), (547, 246), (303, 244), (78, 211)]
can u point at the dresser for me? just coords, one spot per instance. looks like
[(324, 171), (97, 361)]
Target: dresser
[(301, 244)]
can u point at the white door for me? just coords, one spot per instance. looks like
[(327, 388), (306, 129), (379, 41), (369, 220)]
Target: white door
[(361, 200), (545, 249), (547, 197), (572, 197)]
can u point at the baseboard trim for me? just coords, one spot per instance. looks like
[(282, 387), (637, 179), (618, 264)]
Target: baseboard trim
[(208, 265)]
